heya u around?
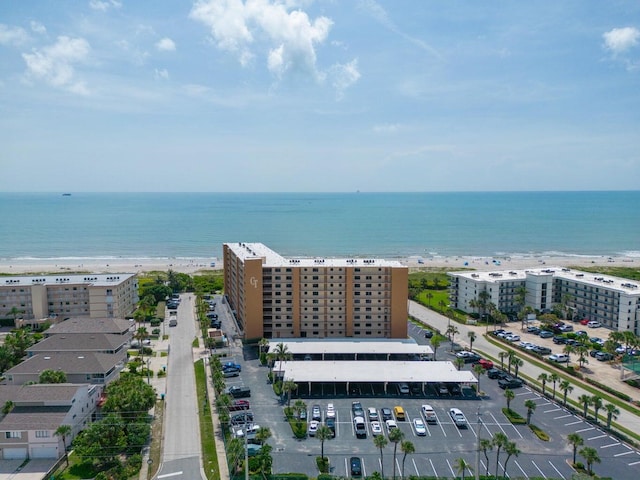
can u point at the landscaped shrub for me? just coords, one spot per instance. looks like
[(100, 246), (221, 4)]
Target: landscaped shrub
[(541, 434), (298, 427), (513, 416), (608, 389), (322, 464)]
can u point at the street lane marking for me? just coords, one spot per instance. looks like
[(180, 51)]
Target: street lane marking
[(611, 445), (170, 474)]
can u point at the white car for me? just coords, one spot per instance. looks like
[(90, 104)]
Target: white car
[(331, 411), (372, 413), (376, 428), (559, 357), (429, 414), (512, 338), (458, 417), (313, 428), (593, 324), (391, 424), (251, 428), (419, 427)]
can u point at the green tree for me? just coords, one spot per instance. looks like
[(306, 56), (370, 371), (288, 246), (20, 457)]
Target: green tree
[(511, 449), (263, 434), (436, 341), (395, 437), (323, 433), (566, 388), (511, 357), (18, 342), (590, 456), (263, 344), (509, 395), (543, 378), (102, 441), (429, 296), (479, 371), (380, 441), (554, 377), (52, 376), (568, 350), (289, 386), (451, 333), (407, 448), (485, 446), (459, 363), (7, 407), (612, 413), (517, 362), (502, 356), (63, 431), (596, 401), (462, 466), (472, 338), (575, 441), (530, 405), (585, 400), (15, 313), (499, 441), (130, 397), (235, 454)]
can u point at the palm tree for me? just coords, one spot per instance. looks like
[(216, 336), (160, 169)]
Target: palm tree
[(509, 395), (429, 296), (518, 362), (543, 378), (263, 434), (395, 436), (596, 401), (407, 447), (502, 356), (263, 344), (531, 406), (451, 333), (566, 387), (554, 377), (472, 338), (499, 440), (7, 407), (590, 456), (289, 386), (380, 442), (299, 406), (612, 413), (436, 341), (585, 400), (575, 441), (15, 313), (485, 446), (459, 363), (568, 349), (63, 431), (323, 433), (479, 371), (510, 449), (462, 466)]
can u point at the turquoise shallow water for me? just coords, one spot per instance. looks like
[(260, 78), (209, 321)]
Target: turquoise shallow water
[(176, 225)]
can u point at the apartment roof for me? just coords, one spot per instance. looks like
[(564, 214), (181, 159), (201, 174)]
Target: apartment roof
[(70, 363), (48, 393), (75, 325), (373, 371), (9, 393), (21, 419), (97, 279), (351, 346), (605, 281), (272, 259), (80, 342)]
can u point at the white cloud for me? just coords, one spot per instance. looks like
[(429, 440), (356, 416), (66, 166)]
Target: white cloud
[(105, 5), (166, 45), (37, 27), (619, 40), (386, 128), (344, 76), (15, 36), (54, 63), (162, 74), (287, 36)]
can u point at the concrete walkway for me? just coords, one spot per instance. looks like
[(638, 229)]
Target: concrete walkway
[(600, 371)]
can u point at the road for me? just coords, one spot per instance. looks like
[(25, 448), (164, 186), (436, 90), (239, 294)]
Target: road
[(181, 447)]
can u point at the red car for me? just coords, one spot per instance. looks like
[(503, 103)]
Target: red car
[(486, 364), (239, 405), (584, 321)]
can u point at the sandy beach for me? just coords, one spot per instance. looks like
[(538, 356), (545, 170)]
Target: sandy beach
[(35, 266)]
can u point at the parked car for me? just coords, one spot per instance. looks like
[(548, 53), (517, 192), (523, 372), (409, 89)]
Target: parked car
[(593, 324), (238, 392), (316, 413), (510, 382), (313, 428), (442, 389), (512, 338), (232, 365), (545, 334), (484, 363), (540, 350), (372, 413), (496, 373), (360, 427), (419, 427), (604, 356), (357, 410), (565, 328), (230, 372), (330, 422), (558, 340), (534, 330), (356, 466), (331, 411), (376, 428), (458, 417), (429, 414), (386, 414), (391, 424), (559, 357), (428, 334), (239, 405), (241, 418), (403, 388)]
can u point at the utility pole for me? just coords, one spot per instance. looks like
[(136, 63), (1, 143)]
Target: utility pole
[(246, 448), (477, 462)]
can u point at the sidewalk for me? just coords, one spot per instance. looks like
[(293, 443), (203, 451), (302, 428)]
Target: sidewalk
[(605, 374)]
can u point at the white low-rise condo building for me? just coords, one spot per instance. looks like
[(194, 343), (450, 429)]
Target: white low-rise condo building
[(612, 301)]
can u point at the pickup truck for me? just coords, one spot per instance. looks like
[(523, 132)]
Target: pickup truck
[(238, 392)]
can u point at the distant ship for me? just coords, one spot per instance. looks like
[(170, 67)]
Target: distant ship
[(66, 194)]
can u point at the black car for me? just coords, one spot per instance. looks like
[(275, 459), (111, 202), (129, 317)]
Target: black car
[(386, 414), (356, 466), (496, 373), (541, 350), (356, 408), (559, 340), (241, 418), (510, 382), (428, 334), (330, 422)]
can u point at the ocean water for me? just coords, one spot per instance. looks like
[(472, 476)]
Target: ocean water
[(50, 226)]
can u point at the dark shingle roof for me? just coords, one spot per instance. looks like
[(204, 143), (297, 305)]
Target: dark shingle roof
[(70, 363), (34, 419), (79, 342), (117, 326)]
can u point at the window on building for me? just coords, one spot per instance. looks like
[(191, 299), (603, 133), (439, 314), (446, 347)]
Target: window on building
[(13, 435)]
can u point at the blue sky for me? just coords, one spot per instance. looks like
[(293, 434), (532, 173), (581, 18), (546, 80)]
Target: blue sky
[(324, 95)]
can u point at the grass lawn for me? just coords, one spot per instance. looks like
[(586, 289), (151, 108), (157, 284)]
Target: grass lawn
[(210, 457)]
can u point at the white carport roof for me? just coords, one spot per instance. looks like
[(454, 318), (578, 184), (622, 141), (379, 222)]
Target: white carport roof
[(298, 346), (373, 371)]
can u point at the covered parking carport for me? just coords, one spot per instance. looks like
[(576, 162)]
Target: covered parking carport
[(380, 376)]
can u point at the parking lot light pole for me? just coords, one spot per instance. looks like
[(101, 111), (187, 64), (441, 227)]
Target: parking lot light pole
[(477, 462)]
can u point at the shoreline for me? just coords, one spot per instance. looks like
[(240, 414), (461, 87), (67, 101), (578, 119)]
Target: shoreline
[(22, 267)]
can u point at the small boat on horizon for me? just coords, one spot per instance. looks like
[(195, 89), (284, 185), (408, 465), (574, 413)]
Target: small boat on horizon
[(66, 194)]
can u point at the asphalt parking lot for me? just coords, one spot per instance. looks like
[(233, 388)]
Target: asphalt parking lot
[(444, 443)]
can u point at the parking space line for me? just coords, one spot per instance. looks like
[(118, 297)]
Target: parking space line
[(596, 437), (623, 453), (585, 429), (634, 463), (346, 468), (415, 467), (611, 445), (451, 468), (518, 465), (435, 474), (573, 423), (557, 471), (497, 423), (562, 416), (545, 403), (541, 472), (552, 410)]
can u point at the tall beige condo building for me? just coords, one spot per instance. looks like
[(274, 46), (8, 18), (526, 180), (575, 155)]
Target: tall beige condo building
[(277, 297)]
